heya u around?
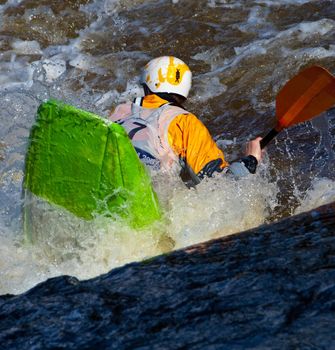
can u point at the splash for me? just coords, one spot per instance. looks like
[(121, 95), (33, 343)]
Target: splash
[(321, 192), (219, 207), (69, 245)]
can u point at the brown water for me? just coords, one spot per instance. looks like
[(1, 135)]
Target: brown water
[(89, 54)]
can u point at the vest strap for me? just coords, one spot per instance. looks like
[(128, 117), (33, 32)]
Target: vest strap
[(138, 101)]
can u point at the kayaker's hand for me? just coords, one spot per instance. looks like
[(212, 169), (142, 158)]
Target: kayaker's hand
[(253, 148)]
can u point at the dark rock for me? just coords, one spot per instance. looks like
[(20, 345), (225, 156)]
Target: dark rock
[(272, 287)]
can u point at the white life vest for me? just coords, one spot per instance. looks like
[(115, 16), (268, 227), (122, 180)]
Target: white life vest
[(148, 130)]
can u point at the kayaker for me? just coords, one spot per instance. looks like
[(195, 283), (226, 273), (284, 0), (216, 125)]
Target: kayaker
[(168, 137)]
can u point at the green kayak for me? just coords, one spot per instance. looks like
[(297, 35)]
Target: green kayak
[(88, 166)]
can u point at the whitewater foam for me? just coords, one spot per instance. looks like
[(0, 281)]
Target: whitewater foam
[(321, 192)]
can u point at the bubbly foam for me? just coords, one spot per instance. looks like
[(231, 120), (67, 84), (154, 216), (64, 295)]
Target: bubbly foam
[(15, 74), (321, 192), (218, 207), (66, 244)]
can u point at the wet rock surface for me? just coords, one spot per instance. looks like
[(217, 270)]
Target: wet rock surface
[(272, 287)]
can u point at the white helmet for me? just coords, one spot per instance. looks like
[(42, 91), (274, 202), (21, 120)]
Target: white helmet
[(167, 74)]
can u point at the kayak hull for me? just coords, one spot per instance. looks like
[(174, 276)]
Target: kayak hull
[(88, 166)]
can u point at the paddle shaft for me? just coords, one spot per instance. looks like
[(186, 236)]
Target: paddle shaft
[(271, 135)]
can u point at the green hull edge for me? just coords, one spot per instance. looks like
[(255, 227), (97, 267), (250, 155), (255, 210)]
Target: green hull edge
[(88, 166)]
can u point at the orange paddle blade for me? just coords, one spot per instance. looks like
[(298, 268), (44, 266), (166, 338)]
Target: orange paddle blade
[(306, 95)]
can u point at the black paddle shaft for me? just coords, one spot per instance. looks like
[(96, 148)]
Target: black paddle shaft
[(271, 135)]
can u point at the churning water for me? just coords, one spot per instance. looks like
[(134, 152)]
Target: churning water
[(89, 54)]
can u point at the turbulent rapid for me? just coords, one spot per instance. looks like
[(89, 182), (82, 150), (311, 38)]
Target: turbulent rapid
[(89, 54)]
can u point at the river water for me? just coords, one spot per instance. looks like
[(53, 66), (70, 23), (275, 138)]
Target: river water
[(89, 54)]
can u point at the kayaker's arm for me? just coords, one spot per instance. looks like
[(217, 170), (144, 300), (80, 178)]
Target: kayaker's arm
[(200, 156), (247, 164), (239, 168), (192, 142)]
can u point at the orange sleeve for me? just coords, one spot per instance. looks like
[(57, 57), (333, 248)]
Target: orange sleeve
[(189, 138)]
